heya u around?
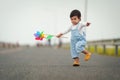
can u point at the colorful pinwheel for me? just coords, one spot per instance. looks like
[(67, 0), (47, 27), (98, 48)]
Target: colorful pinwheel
[(40, 36)]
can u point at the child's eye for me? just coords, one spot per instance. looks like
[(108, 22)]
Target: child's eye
[(74, 18)]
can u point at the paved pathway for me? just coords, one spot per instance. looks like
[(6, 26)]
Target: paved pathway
[(55, 64)]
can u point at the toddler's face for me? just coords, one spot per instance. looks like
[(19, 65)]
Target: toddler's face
[(74, 20)]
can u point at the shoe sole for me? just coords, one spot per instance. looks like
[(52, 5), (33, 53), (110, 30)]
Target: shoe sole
[(76, 65)]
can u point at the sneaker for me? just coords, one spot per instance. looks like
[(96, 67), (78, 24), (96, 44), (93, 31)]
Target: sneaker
[(87, 56), (76, 63)]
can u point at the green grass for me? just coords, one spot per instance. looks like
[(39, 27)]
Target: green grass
[(91, 49), (119, 52), (100, 50), (110, 51)]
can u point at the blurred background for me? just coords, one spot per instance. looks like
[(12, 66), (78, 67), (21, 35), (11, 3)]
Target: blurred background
[(20, 19)]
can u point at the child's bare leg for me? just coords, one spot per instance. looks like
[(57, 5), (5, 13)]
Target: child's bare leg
[(76, 59), (87, 55), (85, 52)]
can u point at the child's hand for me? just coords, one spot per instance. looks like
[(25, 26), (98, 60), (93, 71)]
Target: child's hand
[(59, 35), (88, 24)]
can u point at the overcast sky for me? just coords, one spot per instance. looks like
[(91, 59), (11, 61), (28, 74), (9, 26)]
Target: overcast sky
[(19, 19)]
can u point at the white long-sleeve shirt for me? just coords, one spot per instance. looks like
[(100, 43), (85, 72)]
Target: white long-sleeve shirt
[(81, 28)]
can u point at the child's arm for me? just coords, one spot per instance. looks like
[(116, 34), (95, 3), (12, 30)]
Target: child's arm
[(87, 24), (60, 34), (84, 25)]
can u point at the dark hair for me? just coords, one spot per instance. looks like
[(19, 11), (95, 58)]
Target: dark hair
[(75, 13)]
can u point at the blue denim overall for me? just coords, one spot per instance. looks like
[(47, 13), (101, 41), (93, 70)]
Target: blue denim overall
[(78, 42)]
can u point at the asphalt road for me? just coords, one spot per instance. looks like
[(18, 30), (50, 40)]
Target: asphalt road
[(55, 64)]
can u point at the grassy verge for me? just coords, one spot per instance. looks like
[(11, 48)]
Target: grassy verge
[(110, 51)]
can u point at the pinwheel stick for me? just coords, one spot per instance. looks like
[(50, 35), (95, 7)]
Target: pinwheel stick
[(56, 36), (40, 36)]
